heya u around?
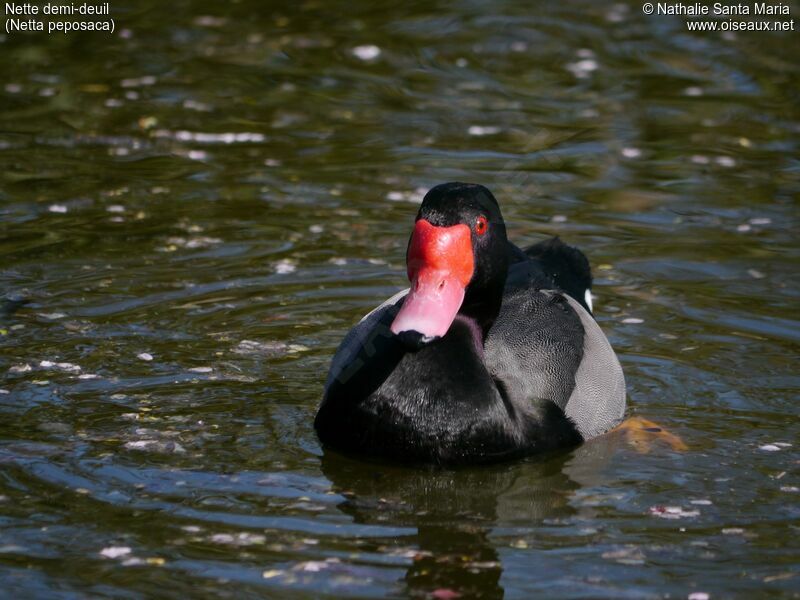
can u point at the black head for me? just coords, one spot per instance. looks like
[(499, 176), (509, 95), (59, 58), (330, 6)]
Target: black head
[(466, 203), (457, 260)]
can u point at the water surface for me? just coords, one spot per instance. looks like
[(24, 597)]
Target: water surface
[(200, 206)]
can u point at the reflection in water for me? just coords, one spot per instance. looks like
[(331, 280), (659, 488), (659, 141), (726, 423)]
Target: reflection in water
[(456, 512)]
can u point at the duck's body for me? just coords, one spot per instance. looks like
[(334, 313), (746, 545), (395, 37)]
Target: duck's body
[(519, 367)]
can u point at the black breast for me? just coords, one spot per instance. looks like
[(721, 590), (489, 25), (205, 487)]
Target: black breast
[(438, 404)]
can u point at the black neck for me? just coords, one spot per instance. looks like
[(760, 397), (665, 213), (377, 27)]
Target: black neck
[(483, 306)]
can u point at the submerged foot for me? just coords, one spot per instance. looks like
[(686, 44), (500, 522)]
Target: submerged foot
[(642, 434)]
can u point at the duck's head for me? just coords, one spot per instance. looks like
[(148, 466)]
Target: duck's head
[(457, 262)]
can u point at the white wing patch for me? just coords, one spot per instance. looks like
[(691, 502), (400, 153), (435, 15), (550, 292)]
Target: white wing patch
[(588, 297)]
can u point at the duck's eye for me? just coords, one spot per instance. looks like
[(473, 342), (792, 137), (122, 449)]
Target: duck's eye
[(481, 225)]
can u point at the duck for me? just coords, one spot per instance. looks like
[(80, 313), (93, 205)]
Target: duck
[(491, 354)]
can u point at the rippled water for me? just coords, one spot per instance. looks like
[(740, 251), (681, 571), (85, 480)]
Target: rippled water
[(199, 207)]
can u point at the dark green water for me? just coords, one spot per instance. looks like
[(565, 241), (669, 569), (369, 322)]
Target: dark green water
[(226, 187)]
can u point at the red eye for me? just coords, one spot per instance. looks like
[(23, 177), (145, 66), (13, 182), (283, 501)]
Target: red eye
[(481, 225)]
